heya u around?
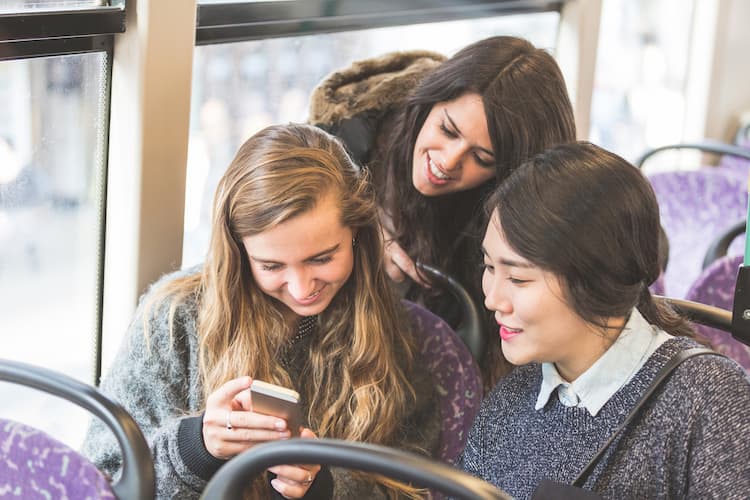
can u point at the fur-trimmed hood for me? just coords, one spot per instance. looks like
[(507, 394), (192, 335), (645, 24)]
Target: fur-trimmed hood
[(370, 84)]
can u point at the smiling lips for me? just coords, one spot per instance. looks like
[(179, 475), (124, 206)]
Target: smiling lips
[(434, 174), (310, 299), (508, 333)]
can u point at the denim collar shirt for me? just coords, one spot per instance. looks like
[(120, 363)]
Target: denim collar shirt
[(593, 388)]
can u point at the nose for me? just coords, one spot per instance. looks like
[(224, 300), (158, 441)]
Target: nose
[(453, 155), (496, 296), (300, 284)]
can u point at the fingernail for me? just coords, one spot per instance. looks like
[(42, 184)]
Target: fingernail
[(280, 425)]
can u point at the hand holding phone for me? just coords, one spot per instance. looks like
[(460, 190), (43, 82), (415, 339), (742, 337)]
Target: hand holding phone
[(278, 401)]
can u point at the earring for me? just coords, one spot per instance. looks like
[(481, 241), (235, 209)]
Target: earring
[(354, 242)]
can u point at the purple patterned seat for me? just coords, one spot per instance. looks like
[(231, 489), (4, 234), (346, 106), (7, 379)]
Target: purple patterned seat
[(695, 207), (734, 162), (34, 465), (715, 287), (456, 377)]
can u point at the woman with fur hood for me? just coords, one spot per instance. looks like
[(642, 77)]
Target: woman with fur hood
[(437, 135)]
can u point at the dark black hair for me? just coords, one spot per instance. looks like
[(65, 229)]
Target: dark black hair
[(527, 108), (592, 219)]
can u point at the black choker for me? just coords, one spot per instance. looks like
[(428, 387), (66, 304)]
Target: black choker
[(305, 327)]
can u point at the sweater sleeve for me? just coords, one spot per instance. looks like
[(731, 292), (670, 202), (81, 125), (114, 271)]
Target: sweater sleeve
[(719, 457), (156, 382)]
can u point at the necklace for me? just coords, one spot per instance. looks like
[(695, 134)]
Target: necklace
[(305, 327)]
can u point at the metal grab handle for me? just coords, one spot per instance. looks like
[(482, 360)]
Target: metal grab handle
[(720, 246), (471, 329), (235, 475), (714, 317), (718, 148), (137, 479)]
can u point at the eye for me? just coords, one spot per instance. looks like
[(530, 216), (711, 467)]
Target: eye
[(270, 267), (322, 260), (484, 163), (448, 132), (517, 281), (488, 267)]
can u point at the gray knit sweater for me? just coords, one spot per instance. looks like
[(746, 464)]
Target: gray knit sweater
[(158, 384), (691, 440)]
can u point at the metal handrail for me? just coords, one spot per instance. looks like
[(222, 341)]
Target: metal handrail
[(471, 328), (138, 478), (718, 148), (233, 477)]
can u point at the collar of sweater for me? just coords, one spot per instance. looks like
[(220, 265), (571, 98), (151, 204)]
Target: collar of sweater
[(615, 368)]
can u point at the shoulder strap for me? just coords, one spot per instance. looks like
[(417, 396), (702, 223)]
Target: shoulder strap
[(665, 371)]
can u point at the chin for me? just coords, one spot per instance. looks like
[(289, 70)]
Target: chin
[(425, 189), (515, 358)]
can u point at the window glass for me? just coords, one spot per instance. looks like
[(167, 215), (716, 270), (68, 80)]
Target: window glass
[(7, 6), (51, 174), (240, 88), (239, 1), (639, 97)]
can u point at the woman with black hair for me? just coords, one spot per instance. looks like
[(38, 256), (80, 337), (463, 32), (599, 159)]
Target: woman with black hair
[(437, 135), (569, 253)]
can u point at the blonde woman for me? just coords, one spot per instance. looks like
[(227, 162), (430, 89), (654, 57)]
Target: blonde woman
[(293, 291)]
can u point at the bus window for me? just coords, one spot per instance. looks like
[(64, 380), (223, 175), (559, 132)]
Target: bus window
[(239, 88), (11, 6), (52, 144), (639, 99)]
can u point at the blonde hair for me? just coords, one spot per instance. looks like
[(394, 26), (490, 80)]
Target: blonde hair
[(357, 370)]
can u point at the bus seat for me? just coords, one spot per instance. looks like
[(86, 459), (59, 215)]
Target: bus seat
[(695, 207), (457, 380), (34, 465), (715, 286), (229, 482), (471, 327), (726, 243), (742, 140)]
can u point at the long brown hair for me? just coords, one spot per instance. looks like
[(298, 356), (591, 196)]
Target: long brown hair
[(356, 374)]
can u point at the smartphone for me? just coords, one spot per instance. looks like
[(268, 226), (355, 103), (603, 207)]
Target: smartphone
[(271, 399)]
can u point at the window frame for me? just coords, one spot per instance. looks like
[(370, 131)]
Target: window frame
[(142, 248), (235, 21), (60, 32), (54, 33)]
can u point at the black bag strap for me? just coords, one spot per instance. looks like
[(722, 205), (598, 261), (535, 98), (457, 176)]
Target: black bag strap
[(665, 371)]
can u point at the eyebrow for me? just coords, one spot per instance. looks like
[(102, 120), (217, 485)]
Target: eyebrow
[(453, 124), (510, 262), (312, 257)]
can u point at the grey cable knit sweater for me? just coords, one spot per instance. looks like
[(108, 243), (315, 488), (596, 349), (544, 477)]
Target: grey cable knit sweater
[(691, 440), (158, 384)]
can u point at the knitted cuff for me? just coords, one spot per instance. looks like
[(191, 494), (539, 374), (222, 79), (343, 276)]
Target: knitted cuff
[(193, 450)]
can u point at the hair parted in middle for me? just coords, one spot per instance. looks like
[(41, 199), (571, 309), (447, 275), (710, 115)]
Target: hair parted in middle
[(355, 376)]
